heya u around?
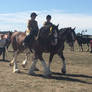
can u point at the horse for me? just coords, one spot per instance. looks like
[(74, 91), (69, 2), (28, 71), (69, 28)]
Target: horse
[(4, 43), (83, 39), (17, 40), (47, 38), (68, 35)]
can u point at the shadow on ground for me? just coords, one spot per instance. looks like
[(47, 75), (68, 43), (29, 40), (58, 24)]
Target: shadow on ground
[(66, 77)]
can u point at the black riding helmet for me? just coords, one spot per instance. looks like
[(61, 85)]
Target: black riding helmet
[(48, 17), (33, 14)]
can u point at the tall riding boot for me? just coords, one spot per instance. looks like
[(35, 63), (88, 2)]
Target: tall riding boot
[(26, 41)]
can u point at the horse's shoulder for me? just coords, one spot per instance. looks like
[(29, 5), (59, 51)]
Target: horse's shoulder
[(44, 28), (22, 35)]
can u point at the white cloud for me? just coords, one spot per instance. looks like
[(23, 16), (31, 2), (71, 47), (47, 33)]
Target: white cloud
[(19, 20)]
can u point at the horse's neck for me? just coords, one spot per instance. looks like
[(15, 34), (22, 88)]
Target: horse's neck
[(64, 36)]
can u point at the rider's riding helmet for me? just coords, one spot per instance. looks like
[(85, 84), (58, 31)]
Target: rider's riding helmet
[(48, 17), (33, 14)]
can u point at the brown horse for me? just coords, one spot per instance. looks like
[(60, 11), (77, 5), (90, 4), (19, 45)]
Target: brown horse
[(50, 41), (17, 39)]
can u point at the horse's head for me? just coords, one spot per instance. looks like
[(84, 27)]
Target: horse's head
[(49, 32), (53, 33), (68, 35), (71, 37)]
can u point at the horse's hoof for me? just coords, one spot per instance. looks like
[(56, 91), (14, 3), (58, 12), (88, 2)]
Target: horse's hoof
[(3, 59), (10, 64), (23, 66), (31, 73), (63, 71), (47, 74), (16, 71), (36, 69)]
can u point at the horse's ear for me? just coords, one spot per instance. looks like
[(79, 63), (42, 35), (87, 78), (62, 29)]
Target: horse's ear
[(58, 25), (74, 28)]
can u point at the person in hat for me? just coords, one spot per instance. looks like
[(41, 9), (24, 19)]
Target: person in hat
[(32, 28), (48, 21), (32, 24)]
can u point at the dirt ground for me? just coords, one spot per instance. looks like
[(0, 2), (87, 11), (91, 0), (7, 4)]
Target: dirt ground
[(77, 79)]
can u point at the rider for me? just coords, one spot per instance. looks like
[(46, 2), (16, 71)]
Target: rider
[(33, 29), (49, 24), (48, 21)]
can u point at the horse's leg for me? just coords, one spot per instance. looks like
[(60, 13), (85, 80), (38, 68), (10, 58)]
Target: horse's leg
[(15, 68), (32, 68), (14, 62), (73, 48), (50, 60), (64, 63), (46, 70), (24, 63), (81, 47), (88, 47), (35, 68), (14, 57)]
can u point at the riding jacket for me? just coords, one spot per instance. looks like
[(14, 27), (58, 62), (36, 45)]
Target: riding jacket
[(33, 27)]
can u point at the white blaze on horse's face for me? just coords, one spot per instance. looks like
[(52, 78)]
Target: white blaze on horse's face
[(55, 37)]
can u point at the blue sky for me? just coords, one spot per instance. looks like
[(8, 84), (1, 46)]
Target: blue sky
[(72, 6), (15, 13)]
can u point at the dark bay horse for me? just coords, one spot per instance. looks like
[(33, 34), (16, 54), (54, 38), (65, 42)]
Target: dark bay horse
[(83, 39), (47, 37), (68, 35)]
